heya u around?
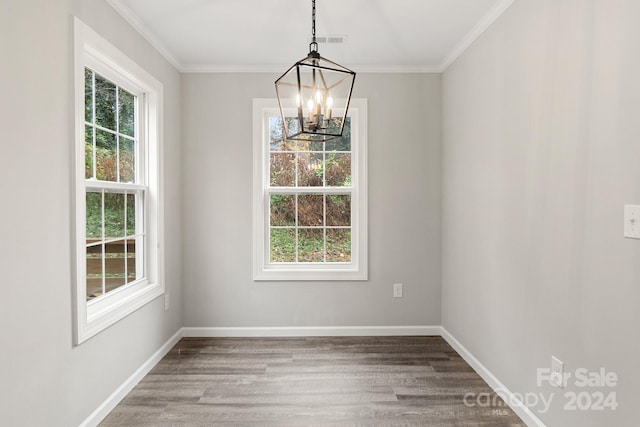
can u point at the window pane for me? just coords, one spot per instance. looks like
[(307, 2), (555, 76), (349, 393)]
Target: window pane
[(126, 115), (105, 103), (338, 172), (339, 144), (343, 143), (106, 156), (303, 145), (310, 169), (310, 210), (282, 170), (88, 152), (94, 271), (114, 262), (114, 215), (310, 245), (283, 245), (127, 160), (131, 214), (94, 216), (276, 134), (131, 261), (338, 210), (282, 145), (338, 245), (88, 95), (283, 210)]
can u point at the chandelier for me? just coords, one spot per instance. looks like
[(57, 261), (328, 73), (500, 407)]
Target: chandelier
[(314, 94)]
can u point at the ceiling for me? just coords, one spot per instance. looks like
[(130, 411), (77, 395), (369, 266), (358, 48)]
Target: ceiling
[(270, 35)]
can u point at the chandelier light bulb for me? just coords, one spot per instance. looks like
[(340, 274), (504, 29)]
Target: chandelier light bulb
[(311, 109)]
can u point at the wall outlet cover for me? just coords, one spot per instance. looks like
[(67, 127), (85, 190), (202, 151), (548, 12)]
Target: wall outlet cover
[(557, 372), (397, 290), (632, 221)]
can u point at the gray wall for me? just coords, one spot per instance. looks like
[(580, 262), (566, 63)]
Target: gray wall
[(45, 380), (540, 153), (404, 210)]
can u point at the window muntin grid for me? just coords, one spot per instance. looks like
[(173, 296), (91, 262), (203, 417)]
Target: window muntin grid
[(114, 188), (309, 198)]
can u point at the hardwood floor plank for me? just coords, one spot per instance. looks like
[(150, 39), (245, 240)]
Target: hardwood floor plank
[(323, 381)]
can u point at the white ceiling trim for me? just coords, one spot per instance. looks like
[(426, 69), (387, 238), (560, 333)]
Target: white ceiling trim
[(466, 41), (279, 69), (475, 32)]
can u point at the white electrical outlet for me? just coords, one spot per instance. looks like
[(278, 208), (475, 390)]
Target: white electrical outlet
[(397, 290), (166, 301), (632, 221), (557, 372)]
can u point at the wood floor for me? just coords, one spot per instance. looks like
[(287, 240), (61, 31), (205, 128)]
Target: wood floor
[(350, 381)]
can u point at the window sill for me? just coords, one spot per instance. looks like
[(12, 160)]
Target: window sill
[(104, 313), (304, 273)]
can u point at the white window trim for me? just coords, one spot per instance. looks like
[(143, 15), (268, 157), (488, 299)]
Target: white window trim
[(263, 270), (93, 51)]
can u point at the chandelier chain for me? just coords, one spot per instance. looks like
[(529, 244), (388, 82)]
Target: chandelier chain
[(313, 20)]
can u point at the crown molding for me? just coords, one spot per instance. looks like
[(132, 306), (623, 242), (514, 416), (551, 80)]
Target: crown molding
[(278, 69), (475, 32), (145, 32)]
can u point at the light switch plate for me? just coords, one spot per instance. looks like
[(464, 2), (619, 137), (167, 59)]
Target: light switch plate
[(632, 221)]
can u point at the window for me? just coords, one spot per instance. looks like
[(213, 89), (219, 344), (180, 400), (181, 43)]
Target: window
[(310, 206), (114, 188), (117, 188)]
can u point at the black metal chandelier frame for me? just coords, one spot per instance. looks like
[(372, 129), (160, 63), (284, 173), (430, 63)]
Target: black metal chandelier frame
[(324, 77)]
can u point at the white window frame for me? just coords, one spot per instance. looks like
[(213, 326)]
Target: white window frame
[(94, 52), (263, 269)]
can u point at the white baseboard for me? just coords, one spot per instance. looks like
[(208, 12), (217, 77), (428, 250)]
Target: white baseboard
[(112, 401), (514, 403), (313, 331)]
